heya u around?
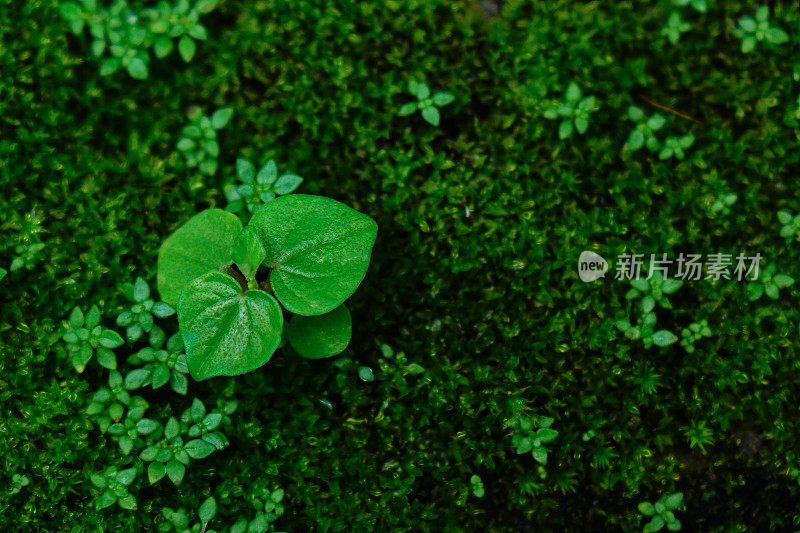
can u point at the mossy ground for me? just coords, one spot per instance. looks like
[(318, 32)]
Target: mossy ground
[(473, 276)]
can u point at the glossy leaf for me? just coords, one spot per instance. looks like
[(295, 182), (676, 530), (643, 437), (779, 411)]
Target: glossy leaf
[(227, 333), (321, 336), (204, 244), (319, 249)]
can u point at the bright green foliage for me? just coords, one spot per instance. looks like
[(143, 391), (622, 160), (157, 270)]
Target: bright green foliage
[(768, 282), (260, 187), (268, 508), (203, 244), (227, 333), (675, 27), (661, 512), (427, 105), (477, 486), (85, 337), (109, 404), (676, 147), (138, 319), (198, 141), (646, 331), (699, 435), (693, 333), (573, 111), (644, 132), (758, 28), (316, 337), (701, 6), (248, 254), (112, 487), (790, 224), (721, 206), (27, 248), (194, 436), (318, 250), (159, 366), (531, 434), (126, 36), (3, 273), (653, 291), (18, 481), (130, 431)]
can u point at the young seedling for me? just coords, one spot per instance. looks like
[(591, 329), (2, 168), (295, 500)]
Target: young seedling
[(108, 405), (198, 142), (426, 104), (769, 283), (721, 206), (160, 366), (259, 188), (693, 333), (661, 513), (268, 507), (675, 27), (790, 225), (676, 146), (756, 29), (477, 486), (646, 331), (85, 337), (531, 434), (313, 252), (701, 6), (112, 485), (28, 247), (194, 436), (653, 291), (127, 36), (573, 111), (139, 318), (644, 132)]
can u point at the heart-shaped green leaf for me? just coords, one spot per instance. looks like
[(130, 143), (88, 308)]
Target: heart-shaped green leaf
[(319, 249), (315, 337), (227, 333), (204, 244)]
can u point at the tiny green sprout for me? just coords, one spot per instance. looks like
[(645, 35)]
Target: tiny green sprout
[(28, 246), (790, 225), (653, 291), (662, 513), (122, 37), (675, 27), (701, 6), (159, 366), (3, 273), (426, 104), (112, 487), (768, 282), (198, 141), (108, 405), (85, 337), (676, 147), (268, 507), (128, 431), (181, 21), (531, 434), (755, 29), (366, 374), (721, 206), (194, 436), (139, 318), (646, 332), (644, 132), (693, 333), (699, 435), (477, 486), (18, 481), (573, 111), (257, 188)]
